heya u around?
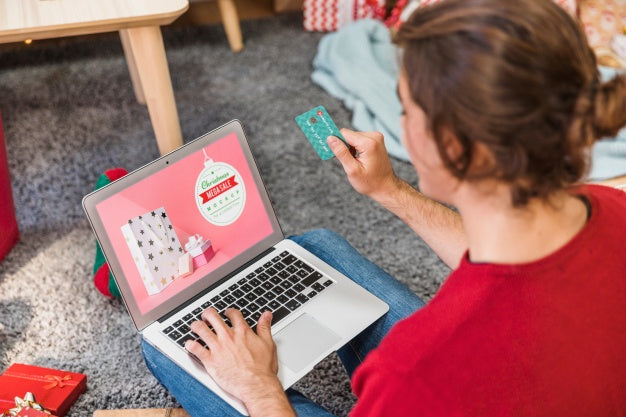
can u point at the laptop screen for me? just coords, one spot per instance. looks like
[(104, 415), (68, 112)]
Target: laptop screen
[(180, 224)]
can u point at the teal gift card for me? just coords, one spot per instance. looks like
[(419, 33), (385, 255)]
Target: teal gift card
[(317, 127)]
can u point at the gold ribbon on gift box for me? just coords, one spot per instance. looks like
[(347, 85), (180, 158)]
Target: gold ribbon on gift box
[(27, 401)]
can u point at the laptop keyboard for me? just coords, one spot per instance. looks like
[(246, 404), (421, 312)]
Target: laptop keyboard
[(281, 285)]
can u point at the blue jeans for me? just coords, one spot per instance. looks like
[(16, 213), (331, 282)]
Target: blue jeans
[(336, 251)]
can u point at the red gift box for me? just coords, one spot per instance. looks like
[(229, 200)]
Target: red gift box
[(8, 222), (55, 390), (31, 412)]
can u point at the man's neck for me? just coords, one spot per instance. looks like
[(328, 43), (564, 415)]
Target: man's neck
[(499, 233)]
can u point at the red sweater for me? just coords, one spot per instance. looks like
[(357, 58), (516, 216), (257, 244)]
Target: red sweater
[(546, 338)]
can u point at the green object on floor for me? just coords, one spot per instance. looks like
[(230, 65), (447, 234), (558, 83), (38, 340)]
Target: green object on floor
[(102, 277)]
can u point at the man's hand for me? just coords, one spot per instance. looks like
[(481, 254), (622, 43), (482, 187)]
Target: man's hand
[(243, 363), (370, 173)]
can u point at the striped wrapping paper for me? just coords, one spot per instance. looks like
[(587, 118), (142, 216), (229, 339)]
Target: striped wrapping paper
[(331, 15)]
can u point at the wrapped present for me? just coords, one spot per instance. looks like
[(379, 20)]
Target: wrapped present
[(155, 248), (26, 406), (200, 250), (571, 6), (32, 412), (605, 25), (142, 412), (618, 45), (185, 265), (329, 15), (55, 390)]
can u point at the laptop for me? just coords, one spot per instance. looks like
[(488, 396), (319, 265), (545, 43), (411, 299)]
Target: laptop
[(196, 229)]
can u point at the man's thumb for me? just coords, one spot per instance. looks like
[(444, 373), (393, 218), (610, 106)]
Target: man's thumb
[(340, 150), (264, 326)]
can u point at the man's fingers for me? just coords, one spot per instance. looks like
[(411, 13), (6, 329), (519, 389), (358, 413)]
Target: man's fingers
[(198, 350), (236, 318), (211, 316), (350, 136), (201, 329), (264, 326), (342, 153), (377, 136), (357, 140)]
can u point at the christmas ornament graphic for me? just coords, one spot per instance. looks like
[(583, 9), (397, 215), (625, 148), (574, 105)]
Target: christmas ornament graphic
[(220, 192)]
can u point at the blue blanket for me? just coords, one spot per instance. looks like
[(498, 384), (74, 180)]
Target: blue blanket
[(608, 156), (359, 65)]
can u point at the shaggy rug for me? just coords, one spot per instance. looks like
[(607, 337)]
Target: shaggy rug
[(70, 113)]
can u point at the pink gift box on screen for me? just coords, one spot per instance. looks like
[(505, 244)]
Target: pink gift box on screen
[(200, 250)]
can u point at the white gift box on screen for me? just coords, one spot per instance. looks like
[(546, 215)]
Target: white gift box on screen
[(155, 248)]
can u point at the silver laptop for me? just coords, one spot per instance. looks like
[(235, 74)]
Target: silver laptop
[(194, 229)]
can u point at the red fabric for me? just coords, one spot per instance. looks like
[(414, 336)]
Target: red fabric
[(55, 390), (114, 174), (9, 233), (101, 280), (546, 338)]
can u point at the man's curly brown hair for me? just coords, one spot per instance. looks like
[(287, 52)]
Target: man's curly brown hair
[(517, 77)]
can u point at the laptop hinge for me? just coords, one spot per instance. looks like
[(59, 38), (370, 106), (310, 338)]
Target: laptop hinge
[(211, 287)]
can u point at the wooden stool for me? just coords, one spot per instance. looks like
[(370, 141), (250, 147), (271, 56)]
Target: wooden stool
[(138, 22)]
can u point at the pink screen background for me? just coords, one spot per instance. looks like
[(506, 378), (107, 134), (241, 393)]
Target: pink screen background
[(173, 188)]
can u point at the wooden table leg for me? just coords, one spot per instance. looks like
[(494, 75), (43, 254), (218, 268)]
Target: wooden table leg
[(146, 45), (132, 67), (230, 20)]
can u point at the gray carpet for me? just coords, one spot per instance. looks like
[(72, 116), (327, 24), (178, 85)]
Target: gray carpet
[(69, 113)]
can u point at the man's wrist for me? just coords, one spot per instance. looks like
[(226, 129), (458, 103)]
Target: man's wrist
[(393, 193), (268, 400), (386, 191)]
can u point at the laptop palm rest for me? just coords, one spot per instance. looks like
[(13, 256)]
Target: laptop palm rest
[(303, 341)]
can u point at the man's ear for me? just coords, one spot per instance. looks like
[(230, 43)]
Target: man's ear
[(452, 147), (483, 161), (456, 155), (473, 158)]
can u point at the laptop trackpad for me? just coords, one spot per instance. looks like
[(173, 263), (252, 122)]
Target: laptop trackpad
[(303, 341)]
